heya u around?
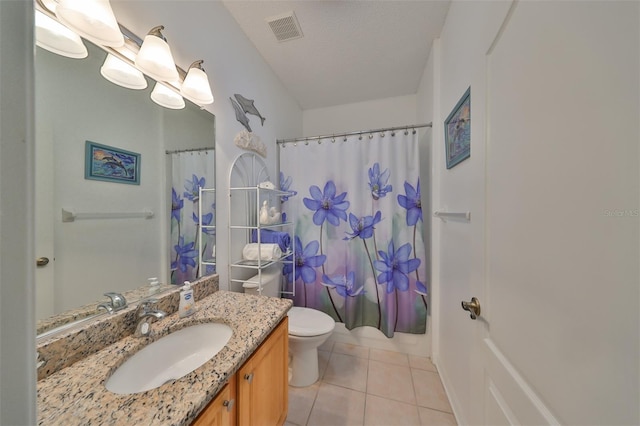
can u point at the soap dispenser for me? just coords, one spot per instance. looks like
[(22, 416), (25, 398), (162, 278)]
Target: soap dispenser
[(154, 285), (186, 307)]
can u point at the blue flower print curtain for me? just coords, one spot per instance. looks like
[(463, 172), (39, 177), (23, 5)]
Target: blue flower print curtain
[(191, 171), (360, 256)]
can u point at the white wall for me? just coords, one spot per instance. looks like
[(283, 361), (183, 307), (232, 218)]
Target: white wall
[(17, 298), (376, 114), (387, 112)]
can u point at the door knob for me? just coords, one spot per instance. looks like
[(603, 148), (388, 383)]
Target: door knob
[(42, 261), (473, 307)]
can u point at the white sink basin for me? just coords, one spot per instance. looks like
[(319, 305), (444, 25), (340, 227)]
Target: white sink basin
[(169, 358)]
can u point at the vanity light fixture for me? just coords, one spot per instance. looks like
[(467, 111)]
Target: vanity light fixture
[(60, 24), (123, 74), (91, 19), (196, 85), (55, 37), (155, 58), (166, 97)]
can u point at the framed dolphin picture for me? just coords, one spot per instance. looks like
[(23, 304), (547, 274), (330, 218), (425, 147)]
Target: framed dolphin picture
[(111, 164), (457, 131)]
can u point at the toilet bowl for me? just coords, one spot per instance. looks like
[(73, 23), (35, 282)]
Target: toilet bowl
[(308, 329)]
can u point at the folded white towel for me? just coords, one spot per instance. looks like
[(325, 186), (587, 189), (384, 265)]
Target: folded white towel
[(254, 251)]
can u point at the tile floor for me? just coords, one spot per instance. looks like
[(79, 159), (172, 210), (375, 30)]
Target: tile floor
[(363, 386)]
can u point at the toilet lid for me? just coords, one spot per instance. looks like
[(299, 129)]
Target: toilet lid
[(305, 322)]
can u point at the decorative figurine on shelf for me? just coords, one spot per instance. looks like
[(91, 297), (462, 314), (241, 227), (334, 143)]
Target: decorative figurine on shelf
[(268, 216)]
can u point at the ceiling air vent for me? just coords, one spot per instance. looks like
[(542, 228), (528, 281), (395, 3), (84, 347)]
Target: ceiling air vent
[(285, 27)]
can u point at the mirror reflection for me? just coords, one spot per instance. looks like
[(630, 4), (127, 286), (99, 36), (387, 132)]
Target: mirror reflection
[(124, 238)]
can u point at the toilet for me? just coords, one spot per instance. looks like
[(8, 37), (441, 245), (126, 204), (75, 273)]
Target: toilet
[(308, 329)]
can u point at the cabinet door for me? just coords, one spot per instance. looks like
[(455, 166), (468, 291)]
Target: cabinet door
[(263, 381), (222, 410)]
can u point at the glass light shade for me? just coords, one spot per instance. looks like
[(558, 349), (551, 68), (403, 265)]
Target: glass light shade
[(92, 19), (155, 59), (55, 37), (166, 97), (196, 87), (121, 73)]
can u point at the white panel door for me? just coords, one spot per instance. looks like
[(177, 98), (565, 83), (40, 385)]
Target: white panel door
[(560, 307)]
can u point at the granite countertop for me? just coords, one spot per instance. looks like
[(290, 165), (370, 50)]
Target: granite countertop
[(76, 395)]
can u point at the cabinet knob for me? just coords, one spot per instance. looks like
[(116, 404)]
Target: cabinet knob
[(248, 377), (229, 404)]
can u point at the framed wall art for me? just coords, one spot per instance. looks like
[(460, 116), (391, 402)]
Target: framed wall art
[(111, 164), (457, 131)]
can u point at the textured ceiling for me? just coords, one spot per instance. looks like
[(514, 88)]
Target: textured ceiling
[(351, 51)]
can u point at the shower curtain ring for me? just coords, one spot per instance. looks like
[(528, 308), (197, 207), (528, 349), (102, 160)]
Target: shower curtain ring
[(414, 132), (360, 137), (370, 135), (306, 141), (406, 131), (319, 141)]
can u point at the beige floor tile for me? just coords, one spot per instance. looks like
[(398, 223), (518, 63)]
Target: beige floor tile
[(326, 346), (386, 412), (300, 403), (347, 371), (389, 357), (390, 381), (337, 406), (323, 361), (422, 363), (429, 390), (429, 417), (349, 349)]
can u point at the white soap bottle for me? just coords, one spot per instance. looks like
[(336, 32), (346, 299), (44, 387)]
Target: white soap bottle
[(186, 307)]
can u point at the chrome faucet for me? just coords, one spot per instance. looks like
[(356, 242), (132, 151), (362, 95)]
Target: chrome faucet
[(146, 315), (105, 307), (117, 303)]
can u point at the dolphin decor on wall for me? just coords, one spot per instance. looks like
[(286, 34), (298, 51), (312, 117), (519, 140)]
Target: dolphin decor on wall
[(244, 106), (246, 139)]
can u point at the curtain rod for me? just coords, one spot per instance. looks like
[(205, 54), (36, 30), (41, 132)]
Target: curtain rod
[(178, 151), (361, 132)]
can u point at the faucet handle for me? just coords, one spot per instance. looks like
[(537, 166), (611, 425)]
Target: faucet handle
[(106, 307), (145, 305), (117, 300)]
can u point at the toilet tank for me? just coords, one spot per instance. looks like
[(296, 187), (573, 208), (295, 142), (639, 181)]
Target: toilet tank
[(269, 280)]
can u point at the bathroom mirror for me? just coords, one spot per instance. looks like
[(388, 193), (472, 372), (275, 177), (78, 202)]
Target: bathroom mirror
[(119, 236)]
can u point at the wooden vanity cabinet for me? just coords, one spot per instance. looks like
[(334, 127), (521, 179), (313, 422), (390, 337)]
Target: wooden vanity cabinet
[(222, 410), (260, 388), (263, 381)]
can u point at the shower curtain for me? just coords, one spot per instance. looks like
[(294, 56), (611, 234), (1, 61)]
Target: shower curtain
[(360, 256), (191, 171)]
